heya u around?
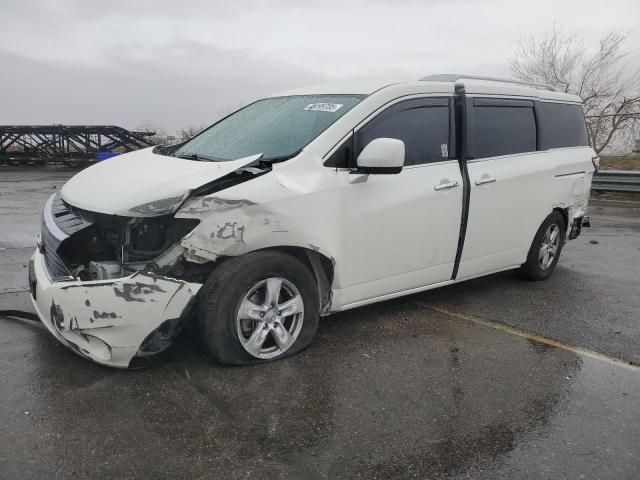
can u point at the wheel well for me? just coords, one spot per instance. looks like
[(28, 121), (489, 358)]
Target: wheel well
[(322, 268), (319, 265), (565, 216)]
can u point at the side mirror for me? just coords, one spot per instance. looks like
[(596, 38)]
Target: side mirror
[(381, 155)]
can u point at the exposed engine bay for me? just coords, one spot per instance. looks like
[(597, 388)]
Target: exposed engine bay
[(95, 246), (113, 247)]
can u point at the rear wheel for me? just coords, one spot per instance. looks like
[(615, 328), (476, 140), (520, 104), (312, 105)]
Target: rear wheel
[(258, 307), (545, 249)]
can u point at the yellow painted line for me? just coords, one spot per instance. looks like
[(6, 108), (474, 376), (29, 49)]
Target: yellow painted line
[(531, 336)]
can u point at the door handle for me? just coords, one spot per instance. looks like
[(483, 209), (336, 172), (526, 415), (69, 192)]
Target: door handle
[(444, 185), (485, 179)]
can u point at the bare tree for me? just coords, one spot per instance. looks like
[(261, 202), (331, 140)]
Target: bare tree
[(159, 134), (190, 132), (607, 83)]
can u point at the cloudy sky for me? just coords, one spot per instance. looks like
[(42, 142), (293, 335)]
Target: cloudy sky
[(183, 63)]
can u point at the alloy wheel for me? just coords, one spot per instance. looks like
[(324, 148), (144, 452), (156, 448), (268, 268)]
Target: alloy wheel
[(549, 246), (270, 317)]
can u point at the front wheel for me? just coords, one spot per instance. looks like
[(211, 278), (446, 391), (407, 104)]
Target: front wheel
[(545, 249), (258, 307)]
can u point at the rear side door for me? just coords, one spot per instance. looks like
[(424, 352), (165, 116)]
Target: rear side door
[(511, 184), (401, 231)]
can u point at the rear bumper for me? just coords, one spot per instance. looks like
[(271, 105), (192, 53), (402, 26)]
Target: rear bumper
[(576, 226), (114, 322), (576, 214)]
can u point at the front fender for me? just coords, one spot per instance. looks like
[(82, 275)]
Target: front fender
[(232, 227)]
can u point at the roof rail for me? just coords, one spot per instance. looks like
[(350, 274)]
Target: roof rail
[(454, 77)]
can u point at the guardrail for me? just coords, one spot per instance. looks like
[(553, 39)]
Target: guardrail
[(616, 181)]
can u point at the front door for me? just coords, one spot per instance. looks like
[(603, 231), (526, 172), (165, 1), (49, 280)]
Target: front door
[(401, 231)]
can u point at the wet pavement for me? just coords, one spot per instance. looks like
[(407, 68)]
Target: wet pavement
[(428, 386)]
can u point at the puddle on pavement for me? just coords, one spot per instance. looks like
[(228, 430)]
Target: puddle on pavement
[(390, 391)]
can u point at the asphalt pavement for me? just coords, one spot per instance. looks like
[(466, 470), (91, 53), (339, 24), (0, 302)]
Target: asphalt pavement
[(493, 378)]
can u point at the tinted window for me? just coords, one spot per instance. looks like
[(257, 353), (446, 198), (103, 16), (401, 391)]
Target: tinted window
[(342, 157), (503, 128), (561, 125), (423, 129)]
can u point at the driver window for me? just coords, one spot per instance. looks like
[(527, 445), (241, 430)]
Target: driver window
[(424, 125)]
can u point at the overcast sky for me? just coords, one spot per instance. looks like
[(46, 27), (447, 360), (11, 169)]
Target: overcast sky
[(183, 63)]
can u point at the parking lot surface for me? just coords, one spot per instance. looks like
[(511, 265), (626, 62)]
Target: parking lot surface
[(493, 378)]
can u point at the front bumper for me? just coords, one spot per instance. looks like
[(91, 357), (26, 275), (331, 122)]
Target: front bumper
[(114, 322)]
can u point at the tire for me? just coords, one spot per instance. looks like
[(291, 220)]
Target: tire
[(246, 281), (545, 250)]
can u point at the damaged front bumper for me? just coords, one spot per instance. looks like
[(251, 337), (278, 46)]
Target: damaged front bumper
[(119, 322)]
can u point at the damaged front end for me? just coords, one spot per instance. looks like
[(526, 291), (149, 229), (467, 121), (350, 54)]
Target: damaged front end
[(114, 289), (93, 246), (115, 274)]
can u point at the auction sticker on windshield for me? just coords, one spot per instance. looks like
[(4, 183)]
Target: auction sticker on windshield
[(324, 107)]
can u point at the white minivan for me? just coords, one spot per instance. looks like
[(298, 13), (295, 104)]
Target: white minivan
[(307, 203)]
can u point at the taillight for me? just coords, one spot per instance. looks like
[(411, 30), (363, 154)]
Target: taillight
[(596, 162)]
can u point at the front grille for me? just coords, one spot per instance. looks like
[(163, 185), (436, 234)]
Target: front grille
[(67, 219), (59, 221), (54, 263)]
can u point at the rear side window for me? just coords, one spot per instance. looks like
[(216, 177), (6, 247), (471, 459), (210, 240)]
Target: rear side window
[(424, 125), (503, 127), (561, 125)]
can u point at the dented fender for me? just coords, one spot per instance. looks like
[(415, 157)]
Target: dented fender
[(243, 231), (266, 212)]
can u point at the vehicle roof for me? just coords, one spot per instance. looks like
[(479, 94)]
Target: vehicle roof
[(473, 84), (354, 87)]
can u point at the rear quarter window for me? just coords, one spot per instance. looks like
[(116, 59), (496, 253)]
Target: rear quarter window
[(561, 125)]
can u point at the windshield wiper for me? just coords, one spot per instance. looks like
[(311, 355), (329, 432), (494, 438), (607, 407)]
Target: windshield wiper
[(281, 158), (201, 158)]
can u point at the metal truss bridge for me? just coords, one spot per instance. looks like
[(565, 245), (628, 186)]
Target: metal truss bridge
[(73, 145)]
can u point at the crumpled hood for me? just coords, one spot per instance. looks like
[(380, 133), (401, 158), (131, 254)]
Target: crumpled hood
[(142, 183)]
